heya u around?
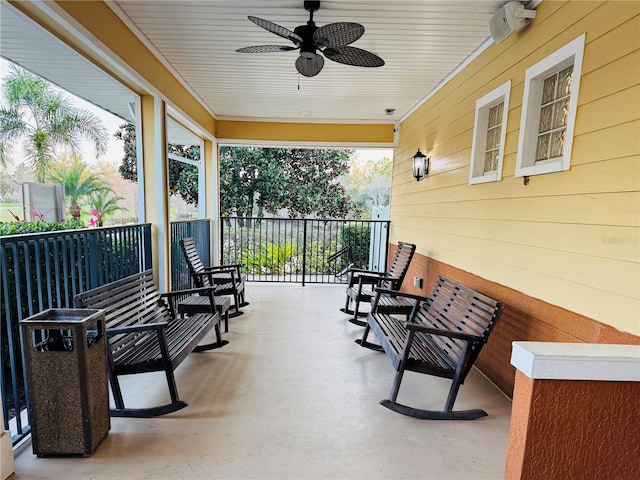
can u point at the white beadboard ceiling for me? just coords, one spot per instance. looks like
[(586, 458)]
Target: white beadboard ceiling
[(421, 41)]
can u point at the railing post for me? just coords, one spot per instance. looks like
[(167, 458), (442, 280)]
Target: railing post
[(304, 252), (93, 259), (221, 259)]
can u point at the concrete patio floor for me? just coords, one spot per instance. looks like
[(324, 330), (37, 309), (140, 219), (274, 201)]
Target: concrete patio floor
[(292, 397)]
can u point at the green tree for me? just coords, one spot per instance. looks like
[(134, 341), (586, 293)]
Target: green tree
[(104, 203), (77, 180), (183, 178), (303, 181), (370, 183), (255, 180), (44, 120)]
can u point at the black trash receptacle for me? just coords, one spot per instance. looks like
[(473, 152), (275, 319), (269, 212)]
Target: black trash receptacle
[(64, 352)]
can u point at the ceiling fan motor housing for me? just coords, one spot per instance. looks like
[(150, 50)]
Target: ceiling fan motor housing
[(307, 48), (311, 6)]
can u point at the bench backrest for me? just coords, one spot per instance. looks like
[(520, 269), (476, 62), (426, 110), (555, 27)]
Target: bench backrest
[(133, 300), (188, 246), (399, 266), (454, 307)]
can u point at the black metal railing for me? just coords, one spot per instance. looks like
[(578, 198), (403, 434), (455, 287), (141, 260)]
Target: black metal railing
[(46, 270), (303, 250), (200, 230)]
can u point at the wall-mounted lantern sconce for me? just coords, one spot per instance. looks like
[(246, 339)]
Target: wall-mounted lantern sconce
[(420, 166)]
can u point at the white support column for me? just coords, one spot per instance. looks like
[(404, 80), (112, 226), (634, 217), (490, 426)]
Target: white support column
[(6, 451)]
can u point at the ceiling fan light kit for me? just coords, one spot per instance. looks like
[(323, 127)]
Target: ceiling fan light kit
[(332, 40)]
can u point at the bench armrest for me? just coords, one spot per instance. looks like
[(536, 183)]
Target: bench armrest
[(190, 291), (396, 293), (418, 299), (363, 270), (173, 297), (364, 277), (136, 328), (443, 333), (233, 275), (234, 267)]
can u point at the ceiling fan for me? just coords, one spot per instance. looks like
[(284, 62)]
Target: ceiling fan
[(332, 40)]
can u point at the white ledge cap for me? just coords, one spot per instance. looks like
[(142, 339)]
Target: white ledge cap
[(577, 361)]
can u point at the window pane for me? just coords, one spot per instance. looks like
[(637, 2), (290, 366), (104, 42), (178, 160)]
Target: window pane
[(492, 138), (549, 89), (545, 119), (492, 117), (542, 149), (491, 161), (495, 115), (560, 113), (499, 110), (557, 144), (564, 82)]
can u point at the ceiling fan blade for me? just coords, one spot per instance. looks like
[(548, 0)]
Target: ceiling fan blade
[(310, 67), (266, 49), (277, 29), (353, 56), (337, 34)]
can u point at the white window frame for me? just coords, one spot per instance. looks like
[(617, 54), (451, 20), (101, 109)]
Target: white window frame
[(571, 54), (480, 124)]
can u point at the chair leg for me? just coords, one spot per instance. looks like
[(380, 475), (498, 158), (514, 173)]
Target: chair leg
[(346, 305), (356, 314), (396, 385), (211, 346), (237, 303), (115, 389), (364, 343), (171, 382)]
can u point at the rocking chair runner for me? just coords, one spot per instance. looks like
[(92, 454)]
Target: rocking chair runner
[(227, 279), (362, 284)]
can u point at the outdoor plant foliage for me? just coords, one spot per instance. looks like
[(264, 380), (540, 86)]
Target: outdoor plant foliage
[(272, 258), (44, 120), (256, 180), (183, 178), (302, 181), (16, 228), (357, 237)]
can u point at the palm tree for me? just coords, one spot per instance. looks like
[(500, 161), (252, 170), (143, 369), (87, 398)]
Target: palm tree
[(77, 180), (104, 203), (44, 120)]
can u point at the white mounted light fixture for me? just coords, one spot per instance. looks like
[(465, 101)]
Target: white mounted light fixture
[(511, 17), (420, 166)]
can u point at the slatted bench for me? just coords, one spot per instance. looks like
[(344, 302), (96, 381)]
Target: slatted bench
[(145, 335), (443, 337)]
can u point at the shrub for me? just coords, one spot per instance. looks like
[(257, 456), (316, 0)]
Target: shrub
[(271, 258), (17, 228), (357, 236)]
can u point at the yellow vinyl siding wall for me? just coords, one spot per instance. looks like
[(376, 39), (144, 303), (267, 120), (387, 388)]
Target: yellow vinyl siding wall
[(569, 238)]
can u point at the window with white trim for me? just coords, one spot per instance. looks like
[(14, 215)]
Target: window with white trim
[(549, 111), (489, 132)]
